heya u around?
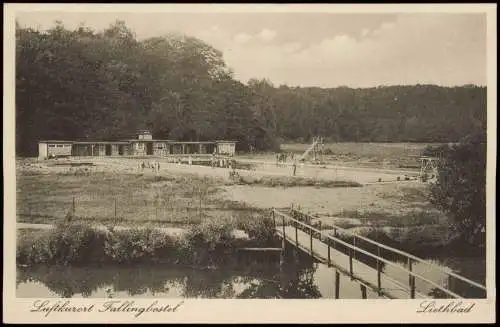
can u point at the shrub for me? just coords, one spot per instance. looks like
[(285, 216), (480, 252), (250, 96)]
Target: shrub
[(260, 230), (460, 189), (208, 241)]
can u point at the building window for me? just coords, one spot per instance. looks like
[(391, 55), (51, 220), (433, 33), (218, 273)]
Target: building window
[(52, 146), (59, 145)]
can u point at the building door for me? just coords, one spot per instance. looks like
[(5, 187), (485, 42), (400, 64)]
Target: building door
[(108, 149), (149, 148), (120, 150)]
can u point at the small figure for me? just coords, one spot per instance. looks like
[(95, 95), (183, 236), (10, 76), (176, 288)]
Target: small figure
[(294, 167)]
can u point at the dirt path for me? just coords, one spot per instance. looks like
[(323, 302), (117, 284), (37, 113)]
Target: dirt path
[(262, 168)]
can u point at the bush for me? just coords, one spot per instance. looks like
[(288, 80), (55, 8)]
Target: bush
[(208, 241), (460, 188), (261, 230)]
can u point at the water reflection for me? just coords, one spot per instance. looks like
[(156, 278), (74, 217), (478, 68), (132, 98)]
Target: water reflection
[(250, 279), (168, 281)]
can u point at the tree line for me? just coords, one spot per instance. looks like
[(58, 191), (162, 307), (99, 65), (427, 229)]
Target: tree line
[(86, 84)]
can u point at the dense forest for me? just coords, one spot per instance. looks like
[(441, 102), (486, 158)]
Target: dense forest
[(86, 84)]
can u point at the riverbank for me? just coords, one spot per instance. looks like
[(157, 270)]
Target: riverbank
[(210, 243)]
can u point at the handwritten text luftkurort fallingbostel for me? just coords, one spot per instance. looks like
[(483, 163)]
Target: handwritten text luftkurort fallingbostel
[(111, 306)]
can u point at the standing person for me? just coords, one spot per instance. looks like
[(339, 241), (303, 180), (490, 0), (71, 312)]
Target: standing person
[(190, 160), (294, 167), (158, 166)]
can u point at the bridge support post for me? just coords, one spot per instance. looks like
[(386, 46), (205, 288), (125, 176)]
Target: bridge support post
[(337, 284), (411, 279), (311, 242), (282, 253), (350, 263), (379, 272), (363, 291), (296, 234), (329, 259), (319, 227)]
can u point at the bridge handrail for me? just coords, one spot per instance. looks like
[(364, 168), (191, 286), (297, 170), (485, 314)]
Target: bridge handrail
[(408, 255), (355, 248)]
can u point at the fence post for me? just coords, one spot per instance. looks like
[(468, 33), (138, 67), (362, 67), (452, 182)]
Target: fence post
[(354, 245), (379, 268), (296, 234), (283, 226), (311, 241), (411, 279), (329, 260), (319, 227), (363, 291), (337, 284), (115, 208), (350, 262), (274, 218), (74, 207)]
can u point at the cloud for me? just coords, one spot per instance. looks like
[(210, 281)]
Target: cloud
[(267, 35), (242, 38), (439, 49)]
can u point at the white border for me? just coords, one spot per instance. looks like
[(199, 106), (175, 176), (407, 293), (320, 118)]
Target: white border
[(294, 311)]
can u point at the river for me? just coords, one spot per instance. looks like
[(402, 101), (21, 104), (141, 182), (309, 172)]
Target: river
[(254, 281)]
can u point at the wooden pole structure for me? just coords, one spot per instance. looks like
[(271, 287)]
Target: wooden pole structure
[(363, 291), (311, 241), (337, 284), (411, 279), (74, 207), (350, 263), (329, 259), (319, 227), (296, 235), (283, 217), (379, 272)]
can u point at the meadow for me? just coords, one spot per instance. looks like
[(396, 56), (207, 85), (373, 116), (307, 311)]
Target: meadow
[(395, 155), (122, 198)]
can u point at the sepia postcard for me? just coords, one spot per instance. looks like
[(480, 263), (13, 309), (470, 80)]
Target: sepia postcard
[(250, 163)]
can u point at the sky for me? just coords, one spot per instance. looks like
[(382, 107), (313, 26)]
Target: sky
[(319, 49)]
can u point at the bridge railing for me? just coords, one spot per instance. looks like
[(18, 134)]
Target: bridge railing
[(353, 250)]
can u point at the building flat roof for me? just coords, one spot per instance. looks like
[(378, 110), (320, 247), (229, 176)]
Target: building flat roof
[(99, 142), (136, 140), (54, 141)]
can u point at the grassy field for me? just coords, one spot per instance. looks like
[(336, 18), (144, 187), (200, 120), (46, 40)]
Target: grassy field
[(169, 199), (395, 154)]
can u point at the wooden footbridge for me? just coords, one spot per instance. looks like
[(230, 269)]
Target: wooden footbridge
[(366, 261)]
